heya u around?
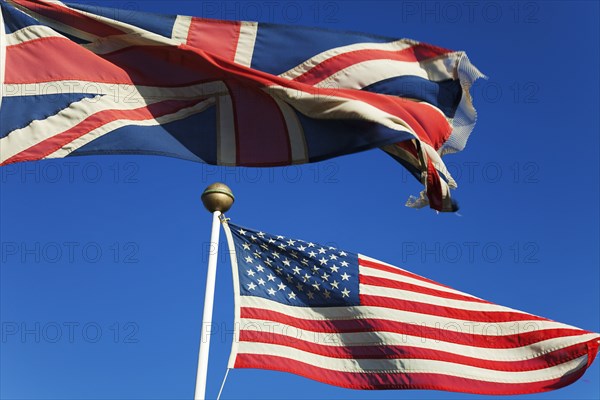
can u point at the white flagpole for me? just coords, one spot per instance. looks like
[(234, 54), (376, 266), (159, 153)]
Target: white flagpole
[(217, 198)]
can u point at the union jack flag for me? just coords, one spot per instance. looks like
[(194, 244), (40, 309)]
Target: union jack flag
[(81, 80), (352, 321)]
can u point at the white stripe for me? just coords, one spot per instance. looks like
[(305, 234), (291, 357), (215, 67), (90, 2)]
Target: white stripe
[(395, 339), (246, 41), (119, 42), (30, 33), (181, 29), (109, 127), (414, 366), (2, 56), (124, 92), (295, 133), (226, 143), (376, 273), (328, 106), (40, 130), (436, 159), (407, 295), (309, 64), (452, 325), (365, 73)]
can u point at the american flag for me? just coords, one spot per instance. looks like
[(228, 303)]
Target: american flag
[(349, 320), (81, 80)]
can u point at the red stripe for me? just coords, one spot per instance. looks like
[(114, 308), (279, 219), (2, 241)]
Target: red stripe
[(261, 132), (455, 332), (69, 61), (446, 312), (97, 120), (416, 53), (70, 17), (388, 283), (394, 270), (140, 65), (409, 147), (382, 352), (434, 188), (216, 37), (363, 380)]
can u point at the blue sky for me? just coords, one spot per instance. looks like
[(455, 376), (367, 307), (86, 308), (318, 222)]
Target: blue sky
[(104, 258)]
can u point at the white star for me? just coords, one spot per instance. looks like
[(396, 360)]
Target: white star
[(261, 234), (335, 284), (327, 294), (333, 257), (280, 237), (331, 248), (251, 286), (334, 268), (345, 293), (286, 262), (296, 270), (345, 276), (281, 246), (268, 262), (300, 287), (301, 248), (261, 281), (312, 254), (260, 268), (271, 277), (281, 286), (343, 253), (275, 254), (322, 251), (294, 254), (292, 295), (325, 276), (344, 264), (310, 295), (253, 238), (289, 279), (323, 261), (291, 242), (306, 277), (278, 270), (250, 272), (246, 246), (316, 285), (311, 244), (242, 232), (257, 254), (249, 260), (315, 269), (304, 261), (271, 241), (271, 291), (264, 246)]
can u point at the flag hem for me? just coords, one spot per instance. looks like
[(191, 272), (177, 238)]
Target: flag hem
[(236, 293)]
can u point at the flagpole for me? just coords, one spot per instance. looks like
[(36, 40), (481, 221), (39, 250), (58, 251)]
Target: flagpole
[(217, 198)]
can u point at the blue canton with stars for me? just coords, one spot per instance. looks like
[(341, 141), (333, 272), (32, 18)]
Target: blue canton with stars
[(295, 272)]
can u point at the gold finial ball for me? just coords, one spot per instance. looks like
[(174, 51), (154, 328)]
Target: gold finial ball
[(217, 197)]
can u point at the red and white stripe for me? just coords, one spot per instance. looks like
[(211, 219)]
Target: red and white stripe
[(411, 333)]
